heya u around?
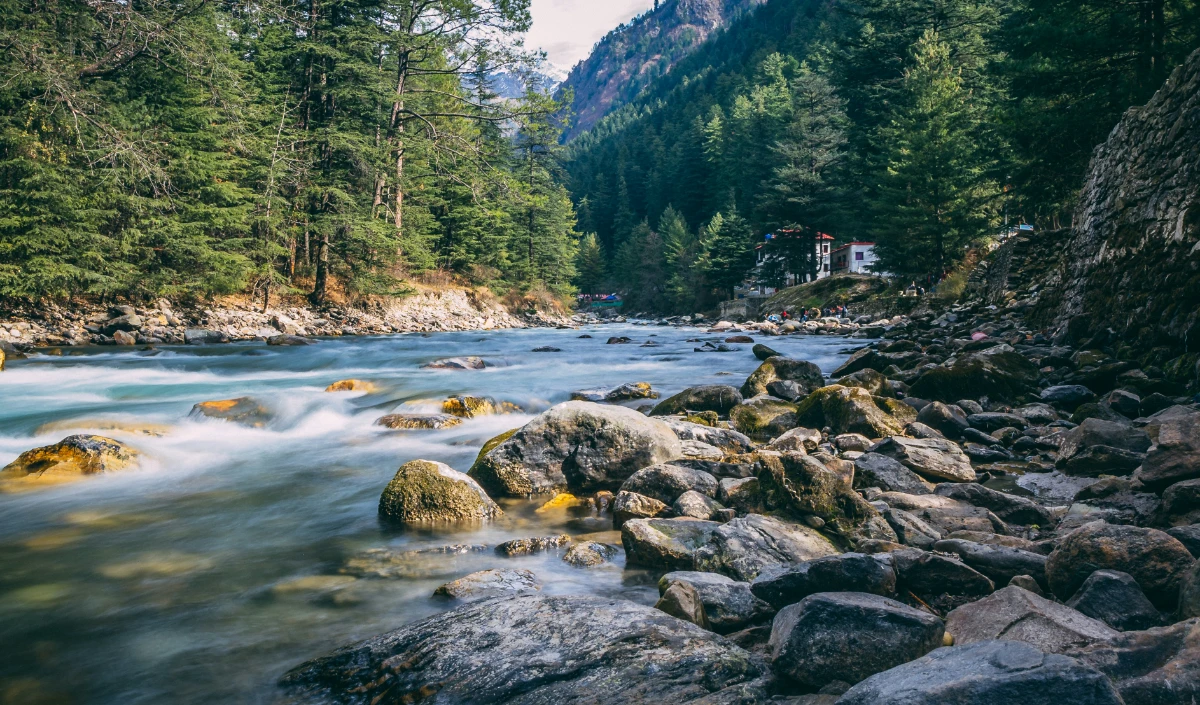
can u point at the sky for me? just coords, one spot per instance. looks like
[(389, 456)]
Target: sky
[(567, 29)]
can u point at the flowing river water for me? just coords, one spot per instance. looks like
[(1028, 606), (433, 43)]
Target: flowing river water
[(218, 564)]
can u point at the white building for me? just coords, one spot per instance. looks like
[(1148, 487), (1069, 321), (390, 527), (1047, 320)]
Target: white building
[(855, 257), (823, 244)]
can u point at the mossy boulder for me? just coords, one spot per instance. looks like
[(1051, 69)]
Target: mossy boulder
[(764, 418), (70, 459), (423, 422), (997, 373), (425, 491), (783, 369), (870, 380), (243, 410), (351, 385), (470, 407), (800, 485), (854, 410), (665, 543), (578, 447), (718, 398)]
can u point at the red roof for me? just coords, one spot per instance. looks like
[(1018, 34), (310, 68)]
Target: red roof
[(820, 235)]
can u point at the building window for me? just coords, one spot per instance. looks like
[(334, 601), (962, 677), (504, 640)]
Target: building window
[(858, 255)]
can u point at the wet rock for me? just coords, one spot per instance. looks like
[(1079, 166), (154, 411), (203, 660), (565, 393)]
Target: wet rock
[(695, 505), (627, 653), (428, 422), (1098, 447), (665, 543), (290, 340), (728, 605), (931, 575), (456, 363), (1189, 536), (876, 470), (782, 369), (468, 407), (243, 410), (763, 417), (1153, 667), (589, 554), (710, 397), (928, 457), (1155, 560), (1068, 397), (762, 352), (203, 336), (72, 458), (999, 563), (1019, 615), (618, 340), (847, 572), (991, 672), (853, 410), (666, 482), (491, 583), (949, 420), (530, 546), (576, 446), (997, 373), (743, 547), (797, 439), (726, 439), (848, 636), (351, 385), (1010, 508), (1114, 598), (1037, 414), (426, 491), (624, 392), (1176, 455), (631, 505), (787, 390)]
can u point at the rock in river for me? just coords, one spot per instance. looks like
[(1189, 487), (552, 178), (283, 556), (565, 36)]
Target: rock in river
[(457, 363), (555, 650), (70, 459), (807, 375), (243, 410), (491, 583), (763, 417), (576, 446), (419, 421), (425, 491), (854, 410), (710, 397)]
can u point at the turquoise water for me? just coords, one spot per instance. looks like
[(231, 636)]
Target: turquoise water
[(192, 578)]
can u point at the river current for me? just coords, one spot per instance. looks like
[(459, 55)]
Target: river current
[(218, 564)]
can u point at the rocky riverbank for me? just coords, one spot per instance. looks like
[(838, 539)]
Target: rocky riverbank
[(49, 324)]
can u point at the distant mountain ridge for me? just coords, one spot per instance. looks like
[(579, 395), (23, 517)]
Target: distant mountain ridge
[(633, 55)]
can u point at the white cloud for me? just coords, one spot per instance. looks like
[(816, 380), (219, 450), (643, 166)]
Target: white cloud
[(567, 29)]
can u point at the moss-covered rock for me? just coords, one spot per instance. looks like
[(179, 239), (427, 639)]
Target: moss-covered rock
[(351, 385), (424, 491), (802, 486), (423, 422), (718, 398), (664, 543), (870, 380), (783, 369), (470, 407), (763, 418), (243, 410), (854, 410), (997, 373), (70, 459)]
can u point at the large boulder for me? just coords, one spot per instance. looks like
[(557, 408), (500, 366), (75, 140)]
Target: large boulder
[(746, 545), (997, 373), (491, 583), (576, 446), (631, 505), (987, 672), (946, 514), (932, 458), (1175, 456), (1153, 667), (931, 576), (847, 637), (910, 529), (847, 572), (556, 649), (1097, 447), (1019, 615), (888, 474), (728, 604), (1156, 561), (764, 417), (783, 369), (666, 482), (726, 439), (854, 410), (72, 458), (424, 491), (710, 397), (669, 544), (1181, 504), (243, 410), (947, 419), (803, 487), (1010, 508), (1114, 598), (1000, 563)]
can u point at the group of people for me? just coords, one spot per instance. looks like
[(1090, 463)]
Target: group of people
[(810, 314)]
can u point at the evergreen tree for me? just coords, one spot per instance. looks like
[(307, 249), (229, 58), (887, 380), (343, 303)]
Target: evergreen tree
[(590, 266), (729, 242)]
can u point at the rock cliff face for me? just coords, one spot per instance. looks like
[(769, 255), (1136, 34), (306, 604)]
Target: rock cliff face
[(630, 57), (1130, 271)]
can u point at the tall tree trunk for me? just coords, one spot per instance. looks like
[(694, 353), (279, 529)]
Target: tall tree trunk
[(402, 66), (320, 286)]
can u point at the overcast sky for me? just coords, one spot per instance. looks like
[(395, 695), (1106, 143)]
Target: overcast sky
[(567, 29)]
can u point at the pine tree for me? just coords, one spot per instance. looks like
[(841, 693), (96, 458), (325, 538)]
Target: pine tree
[(729, 243), (590, 266)]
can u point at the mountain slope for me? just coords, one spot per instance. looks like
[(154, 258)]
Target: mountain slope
[(630, 57)]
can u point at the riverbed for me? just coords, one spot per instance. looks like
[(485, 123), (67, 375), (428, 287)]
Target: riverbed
[(234, 553)]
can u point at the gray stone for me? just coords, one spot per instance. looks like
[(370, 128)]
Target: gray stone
[(994, 421), (1176, 455), (746, 545), (556, 649), (740, 493), (848, 636), (946, 514), (947, 419), (695, 505), (631, 505), (491, 583), (456, 363), (1152, 667), (204, 336), (1019, 615), (763, 417), (1000, 563), (682, 600), (1114, 598), (910, 529), (1189, 536), (986, 673), (531, 546), (711, 397), (665, 543), (930, 575), (888, 474), (928, 457), (1010, 508), (797, 439), (807, 375), (424, 491), (1068, 396), (729, 605), (666, 482), (1155, 560), (848, 572), (589, 554), (726, 439), (1181, 504)]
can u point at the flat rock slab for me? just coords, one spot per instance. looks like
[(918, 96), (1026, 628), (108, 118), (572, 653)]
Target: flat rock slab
[(490, 583), (988, 672), (745, 546), (533, 650), (1015, 614)]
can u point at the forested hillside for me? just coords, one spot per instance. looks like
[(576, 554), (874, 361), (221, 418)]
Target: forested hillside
[(634, 55), (922, 125), (192, 147)]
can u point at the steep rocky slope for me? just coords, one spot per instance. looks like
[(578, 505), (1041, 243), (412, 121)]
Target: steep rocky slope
[(626, 60)]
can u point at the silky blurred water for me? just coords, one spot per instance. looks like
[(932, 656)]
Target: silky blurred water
[(178, 582)]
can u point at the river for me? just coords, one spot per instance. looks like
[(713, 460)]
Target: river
[(196, 578)]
